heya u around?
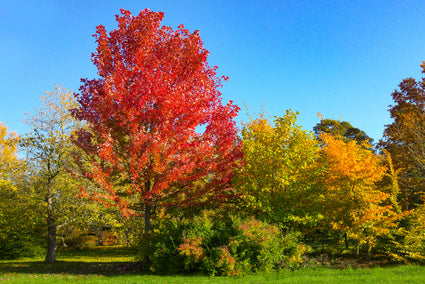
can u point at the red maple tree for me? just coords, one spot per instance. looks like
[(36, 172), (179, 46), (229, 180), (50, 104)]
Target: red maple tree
[(156, 126)]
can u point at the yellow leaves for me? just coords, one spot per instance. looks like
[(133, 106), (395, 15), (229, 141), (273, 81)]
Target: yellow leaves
[(55, 110), (278, 157), (191, 247), (8, 152), (9, 144), (7, 185), (51, 127)]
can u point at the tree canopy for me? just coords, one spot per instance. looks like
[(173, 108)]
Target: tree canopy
[(404, 138), (342, 129), (48, 147), (155, 119), (278, 160)]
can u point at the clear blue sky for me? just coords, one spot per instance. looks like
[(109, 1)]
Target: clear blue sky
[(339, 58)]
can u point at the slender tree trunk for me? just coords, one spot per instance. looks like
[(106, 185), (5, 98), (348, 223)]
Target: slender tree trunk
[(99, 237), (51, 227), (346, 240), (148, 209), (367, 249), (147, 219), (127, 238), (368, 252)]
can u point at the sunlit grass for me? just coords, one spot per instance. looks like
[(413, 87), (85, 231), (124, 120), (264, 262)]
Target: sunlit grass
[(99, 254), (116, 265)]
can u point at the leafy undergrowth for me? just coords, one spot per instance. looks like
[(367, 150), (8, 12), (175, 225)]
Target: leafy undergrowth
[(116, 265)]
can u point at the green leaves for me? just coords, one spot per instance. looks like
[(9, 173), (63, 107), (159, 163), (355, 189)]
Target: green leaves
[(341, 129), (19, 218), (50, 150)]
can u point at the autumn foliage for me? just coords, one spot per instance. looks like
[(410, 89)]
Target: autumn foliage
[(151, 137), (155, 120), (354, 204), (277, 162), (404, 138)]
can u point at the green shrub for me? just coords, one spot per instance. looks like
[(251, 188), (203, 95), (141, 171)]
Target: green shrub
[(218, 244), (159, 251), (20, 245), (21, 227)]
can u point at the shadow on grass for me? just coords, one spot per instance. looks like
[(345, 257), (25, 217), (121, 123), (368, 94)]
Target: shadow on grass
[(71, 267), (92, 261)]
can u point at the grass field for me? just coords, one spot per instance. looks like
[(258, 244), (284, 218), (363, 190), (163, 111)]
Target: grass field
[(115, 265)]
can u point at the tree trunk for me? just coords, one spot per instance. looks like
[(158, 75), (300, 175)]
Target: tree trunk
[(51, 230), (346, 240), (51, 224), (367, 249), (99, 237), (147, 219), (51, 244), (148, 209), (127, 238)]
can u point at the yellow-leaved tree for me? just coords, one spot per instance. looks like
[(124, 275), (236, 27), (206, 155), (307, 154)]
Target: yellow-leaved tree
[(19, 229), (52, 156), (49, 149), (8, 154), (277, 165)]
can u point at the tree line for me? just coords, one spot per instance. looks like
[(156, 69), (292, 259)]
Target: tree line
[(148, 151)]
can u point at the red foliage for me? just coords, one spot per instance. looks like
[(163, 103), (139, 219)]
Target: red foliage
[(144, 114)]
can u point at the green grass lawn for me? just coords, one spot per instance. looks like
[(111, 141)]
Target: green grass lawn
[(116, 265)]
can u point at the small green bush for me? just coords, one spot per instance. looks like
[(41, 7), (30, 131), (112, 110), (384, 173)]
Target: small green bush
[(159, 251), (218, 244)]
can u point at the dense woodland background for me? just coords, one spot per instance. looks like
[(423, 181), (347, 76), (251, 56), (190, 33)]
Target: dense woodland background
[(148, 156)]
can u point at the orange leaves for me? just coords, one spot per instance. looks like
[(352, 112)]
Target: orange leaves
[(350, 162), (349, 167), (354, 204), (192, 247)]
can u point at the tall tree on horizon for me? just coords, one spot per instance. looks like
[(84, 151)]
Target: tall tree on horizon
[(404, 139), (342, 129)]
